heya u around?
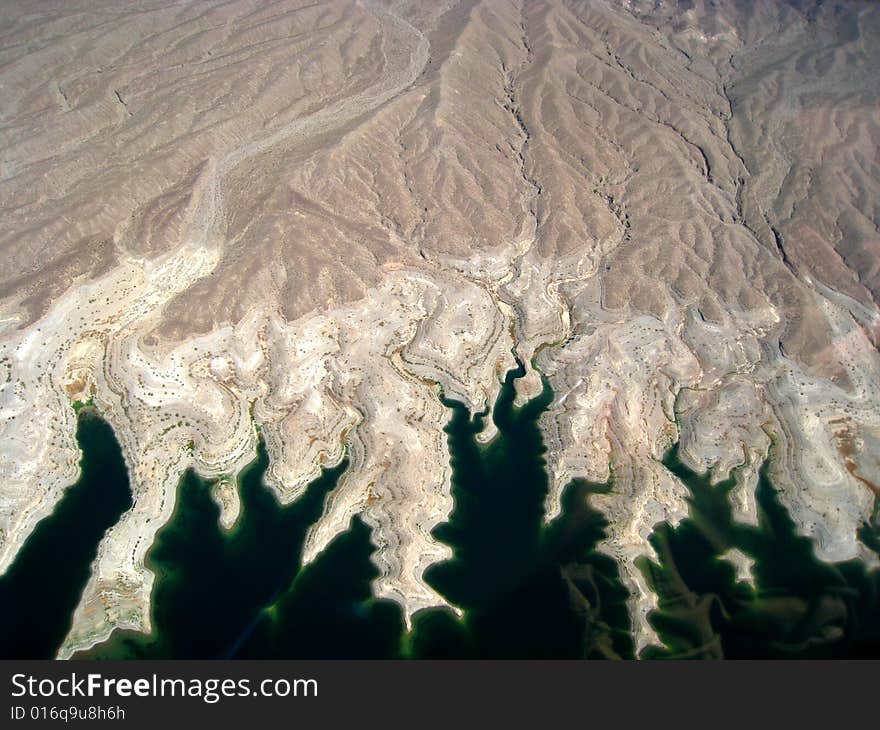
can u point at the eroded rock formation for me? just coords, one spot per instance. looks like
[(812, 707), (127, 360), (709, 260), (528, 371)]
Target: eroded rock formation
[(310, 218)]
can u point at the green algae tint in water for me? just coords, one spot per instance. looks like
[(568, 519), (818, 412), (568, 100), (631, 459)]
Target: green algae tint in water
[(799, 607), (39, 592), (328, 611), (527, 590), (211, 585)]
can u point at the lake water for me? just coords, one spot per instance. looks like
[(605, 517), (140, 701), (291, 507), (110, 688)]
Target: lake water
[(799, 607), (42, 587), (524, 588)]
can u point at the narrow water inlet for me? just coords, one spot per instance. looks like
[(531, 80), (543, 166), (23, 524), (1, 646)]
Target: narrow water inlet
[(41, 588)]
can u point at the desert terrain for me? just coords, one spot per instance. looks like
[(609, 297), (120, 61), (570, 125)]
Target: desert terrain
[(316, 218)]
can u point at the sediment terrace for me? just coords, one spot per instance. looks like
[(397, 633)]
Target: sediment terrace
[(311, 218)]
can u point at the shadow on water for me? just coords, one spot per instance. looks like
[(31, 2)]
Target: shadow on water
[(798, 607), (39, 592), (525, 589)]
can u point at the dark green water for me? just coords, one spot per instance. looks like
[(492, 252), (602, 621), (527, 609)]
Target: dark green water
[(328, 610), (211, 585), (799, 606), (39, 592), (526, 589)]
